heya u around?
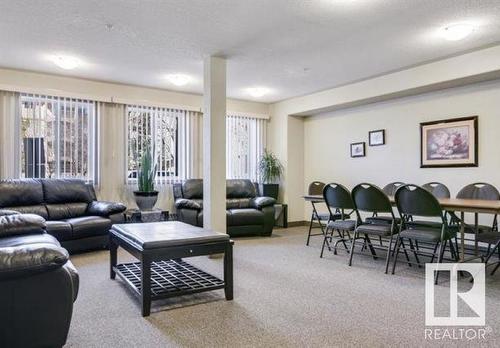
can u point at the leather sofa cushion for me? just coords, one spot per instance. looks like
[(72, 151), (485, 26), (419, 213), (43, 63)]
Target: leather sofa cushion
[(66, 211), (62, 230), (30, 259), (13, 241), (193, 188), (238, 203), (183, 203), (21, 224), (242, 217), (89, 226), (240, 188), (32, 209), (66, 191), (20, 192)]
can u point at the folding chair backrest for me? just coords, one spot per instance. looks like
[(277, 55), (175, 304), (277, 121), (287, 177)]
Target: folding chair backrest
[(370, 198), (390, 189), (437, 189), (413, 200), (316, 188), (337, 197), (479, 190)]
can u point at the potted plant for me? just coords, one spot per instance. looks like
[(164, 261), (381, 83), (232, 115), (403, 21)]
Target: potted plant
[(146, 196), (270, 170)]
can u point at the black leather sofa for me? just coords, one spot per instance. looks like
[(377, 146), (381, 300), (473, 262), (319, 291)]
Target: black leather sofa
[(72, 213), (38, 284), (246, 214)]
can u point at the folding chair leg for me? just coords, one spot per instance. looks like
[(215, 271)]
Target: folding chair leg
[(442, 246), (398, 244), (406, 253), (310, 228), (415, 253), (353, 241), (388, 256), (372, 249), (325, 242), (492, 252), (434, 252), (495, 269)]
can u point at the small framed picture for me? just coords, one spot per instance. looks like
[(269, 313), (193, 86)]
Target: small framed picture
[(358, 149), (376, 137)]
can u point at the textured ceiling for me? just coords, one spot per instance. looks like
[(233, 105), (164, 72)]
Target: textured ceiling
[(293, 47)]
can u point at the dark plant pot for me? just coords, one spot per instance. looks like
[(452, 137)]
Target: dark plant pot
[(146, 200), (269, 190)]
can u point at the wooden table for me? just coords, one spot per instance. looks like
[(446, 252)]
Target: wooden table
[(475, 206)]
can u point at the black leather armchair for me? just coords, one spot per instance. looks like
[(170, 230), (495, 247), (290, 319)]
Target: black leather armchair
[(70, 207), (246, 213), (38, 284)]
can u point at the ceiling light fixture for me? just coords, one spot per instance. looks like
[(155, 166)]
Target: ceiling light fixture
[(457, 32), (178, 79), (65, 62), (257, 92)]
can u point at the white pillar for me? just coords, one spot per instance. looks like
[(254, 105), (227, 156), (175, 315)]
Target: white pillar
[(214, 144)]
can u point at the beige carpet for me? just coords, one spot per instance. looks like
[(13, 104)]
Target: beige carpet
[(285, 296)]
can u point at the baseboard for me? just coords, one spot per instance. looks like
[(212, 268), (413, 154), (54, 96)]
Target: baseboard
[(297, 223)]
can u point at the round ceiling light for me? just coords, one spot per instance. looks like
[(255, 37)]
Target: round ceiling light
[(457, 32), (65, 62), (257, 92), (179, 79)]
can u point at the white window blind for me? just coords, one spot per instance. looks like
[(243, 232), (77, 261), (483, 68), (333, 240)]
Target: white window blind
[(173, 134), (245, 143), (58, 137)]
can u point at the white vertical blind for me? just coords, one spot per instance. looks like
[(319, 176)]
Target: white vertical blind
[(245, 143), (9, 141), (58, 137), (175, 136)]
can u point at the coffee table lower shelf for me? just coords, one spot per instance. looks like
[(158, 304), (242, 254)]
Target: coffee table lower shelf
[(169, 278)]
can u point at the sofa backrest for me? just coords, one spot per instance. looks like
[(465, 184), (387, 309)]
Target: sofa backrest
[(66, 198), (235, 188), (23, 195), (53, 199)]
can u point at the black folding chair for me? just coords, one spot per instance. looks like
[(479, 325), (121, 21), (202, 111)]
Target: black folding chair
[(316, 189), (412, 200), (389, 189), (371, 199), (339, 202)]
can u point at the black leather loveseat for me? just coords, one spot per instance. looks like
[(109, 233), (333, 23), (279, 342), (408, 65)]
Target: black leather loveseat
[(74, 216), (38, 284), (247, 214)]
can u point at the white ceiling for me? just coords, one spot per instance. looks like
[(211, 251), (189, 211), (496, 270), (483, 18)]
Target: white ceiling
[(293, 47)]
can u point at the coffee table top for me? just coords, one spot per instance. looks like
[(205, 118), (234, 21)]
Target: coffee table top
[(165, 234)]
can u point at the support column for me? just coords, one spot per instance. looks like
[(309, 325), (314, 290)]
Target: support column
[(214, 144)]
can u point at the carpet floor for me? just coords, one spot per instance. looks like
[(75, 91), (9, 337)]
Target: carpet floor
[(284, 296)]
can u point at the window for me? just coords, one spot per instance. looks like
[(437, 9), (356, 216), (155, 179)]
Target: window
[(155, 127), (58, 137), (245, 143)]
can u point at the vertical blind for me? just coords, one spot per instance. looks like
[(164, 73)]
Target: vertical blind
[(58, 137), (174, 137), (245, 143)]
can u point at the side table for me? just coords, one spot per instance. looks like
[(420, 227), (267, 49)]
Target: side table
[(137, 216)]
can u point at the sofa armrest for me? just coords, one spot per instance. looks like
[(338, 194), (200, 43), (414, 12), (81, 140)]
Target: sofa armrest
[(184, 203), (261, 202), (4, 212), (21, 224), (30, 259), (105, 209)]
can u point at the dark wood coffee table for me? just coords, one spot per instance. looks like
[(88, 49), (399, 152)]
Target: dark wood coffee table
[(161, 272)]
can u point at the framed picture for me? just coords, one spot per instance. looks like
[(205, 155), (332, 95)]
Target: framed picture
[(358, 149), (376, 137), (449, 143)]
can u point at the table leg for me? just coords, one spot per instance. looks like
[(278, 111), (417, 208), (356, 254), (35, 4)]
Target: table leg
[(476, 232), (146, 286), (228, 271), (113, 251), (462, 236)]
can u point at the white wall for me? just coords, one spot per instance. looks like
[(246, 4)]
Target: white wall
[(327, 138)]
